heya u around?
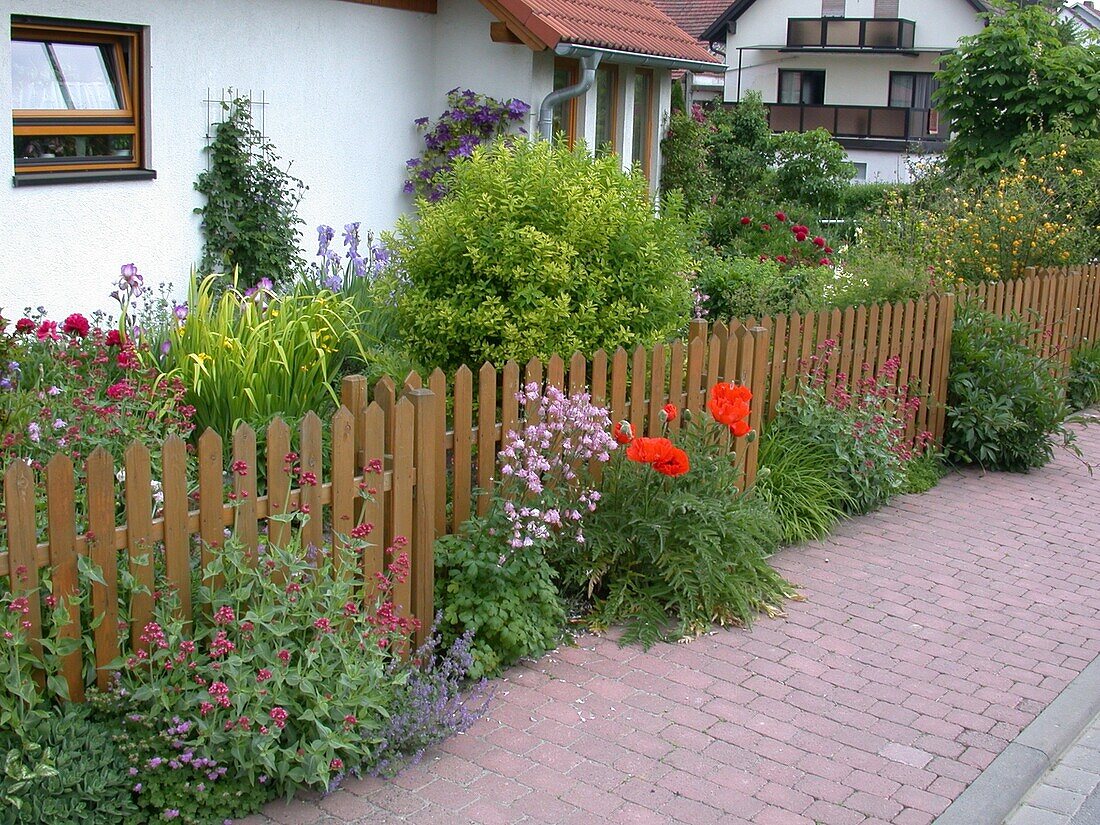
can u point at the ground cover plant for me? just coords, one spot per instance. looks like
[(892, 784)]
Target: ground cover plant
[(535, 251), (675, 546), (1083, 383)]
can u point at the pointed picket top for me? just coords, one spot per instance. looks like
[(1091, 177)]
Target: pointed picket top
[(578, 373), (487, 370), (555, 371), (384, 387), (532, 372), (436, 377), (465, 373), (413, 381)]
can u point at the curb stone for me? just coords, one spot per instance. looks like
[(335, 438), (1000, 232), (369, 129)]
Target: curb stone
[(999, 789)]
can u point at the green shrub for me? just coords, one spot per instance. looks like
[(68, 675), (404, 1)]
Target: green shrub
[(538, 251), (684, 153), (1004, 402), (249, 223), (867, 277), (673, 548), (1083, 384), (796, 482), (740, 148), (861, 199), (90, 784), (740, 287), (812, 169)]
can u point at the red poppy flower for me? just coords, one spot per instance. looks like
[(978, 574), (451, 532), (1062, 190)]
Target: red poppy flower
[(673, 463), (729, 403), (740, 428), (623, 432), (648, 450)]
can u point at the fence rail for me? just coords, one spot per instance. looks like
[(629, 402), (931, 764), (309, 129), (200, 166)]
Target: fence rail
[(438, 446)]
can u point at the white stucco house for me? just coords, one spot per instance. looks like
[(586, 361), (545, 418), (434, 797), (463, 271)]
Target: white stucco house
[(110, 118), (862, 69), (1083, 14)]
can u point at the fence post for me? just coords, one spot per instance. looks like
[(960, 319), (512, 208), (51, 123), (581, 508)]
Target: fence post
[(758, 384), (430, 485)]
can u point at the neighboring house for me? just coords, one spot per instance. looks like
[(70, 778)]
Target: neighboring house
[(1083, 14), (695, 17), (862, 69), (110, 108)]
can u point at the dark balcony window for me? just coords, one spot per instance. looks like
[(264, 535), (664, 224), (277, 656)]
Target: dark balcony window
[(844, 33), (804, 87), (853, 125)]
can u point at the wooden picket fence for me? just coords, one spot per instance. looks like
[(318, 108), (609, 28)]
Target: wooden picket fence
[(439, 441)]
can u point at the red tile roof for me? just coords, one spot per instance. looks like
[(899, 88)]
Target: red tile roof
[(693, 16), (636, 26)]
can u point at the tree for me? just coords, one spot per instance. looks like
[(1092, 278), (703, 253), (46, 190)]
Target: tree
[(1023, 73), (741, 146)]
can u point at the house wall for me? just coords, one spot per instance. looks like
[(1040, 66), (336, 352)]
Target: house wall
[(853, 79), (343, 81)]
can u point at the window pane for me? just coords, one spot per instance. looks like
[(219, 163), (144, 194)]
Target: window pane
[(88, 76), (69, 76), (832, 8), (605, 110), (36, 147), (901, 90), (641, 119), (790, 87), (886, 8), (34, 81), (813, 88), (842, 33)]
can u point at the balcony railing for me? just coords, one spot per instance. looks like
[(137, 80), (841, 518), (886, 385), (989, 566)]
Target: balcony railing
[(861, 122), (850, 33)]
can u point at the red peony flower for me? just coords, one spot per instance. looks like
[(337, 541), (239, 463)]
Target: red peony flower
[(114, 338), (819, 241), (745, 221), (24, 326), (766, 227), (825, 262), (76, 324), (781, 217), (781, 258), (623, 432)]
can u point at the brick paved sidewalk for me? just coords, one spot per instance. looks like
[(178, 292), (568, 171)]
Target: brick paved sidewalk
[(932, 632)]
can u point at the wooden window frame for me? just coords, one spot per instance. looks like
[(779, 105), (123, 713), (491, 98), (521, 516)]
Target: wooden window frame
[(126, 44), (569, 113), (647, 139)]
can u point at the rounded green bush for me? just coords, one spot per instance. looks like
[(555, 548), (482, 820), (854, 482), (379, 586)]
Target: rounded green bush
[(538, 251)]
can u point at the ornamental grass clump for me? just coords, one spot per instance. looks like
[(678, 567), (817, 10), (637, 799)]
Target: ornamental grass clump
[(493, 578), (249, 356), (676, 545)]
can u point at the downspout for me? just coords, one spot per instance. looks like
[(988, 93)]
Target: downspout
[(589, 62)]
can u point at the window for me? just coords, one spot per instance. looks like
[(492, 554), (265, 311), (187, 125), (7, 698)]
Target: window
[(76, 97), (832, 8), (886, 8), (643, 113), (607, 93), (565, 115), (912, 90), (860, 172), (802, 87)]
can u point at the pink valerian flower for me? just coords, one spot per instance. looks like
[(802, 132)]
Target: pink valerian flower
[(220, 692), (239, 468), (283, 656), (279, 717), (221, 646), (336, 765), (323, 624), (224, 615), (153, 635), (262, 675)]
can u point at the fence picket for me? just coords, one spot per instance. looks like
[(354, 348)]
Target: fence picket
[(693, 396), (177, 536), (599, 378), (676, 378), (23, 549), (401, 528), (278, 481), (462, 455), (100, 470), (210, 497), (430, 486), (139, 534), (637, 389), (61, 515), (656, 390), (374, 505), (578, 379), (486, 432), (342, 464), (245, 519)]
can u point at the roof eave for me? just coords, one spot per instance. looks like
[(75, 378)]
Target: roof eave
[(566, 49)]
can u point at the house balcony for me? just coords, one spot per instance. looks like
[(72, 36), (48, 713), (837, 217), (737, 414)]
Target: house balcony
[(845, 34), (868, 127)]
